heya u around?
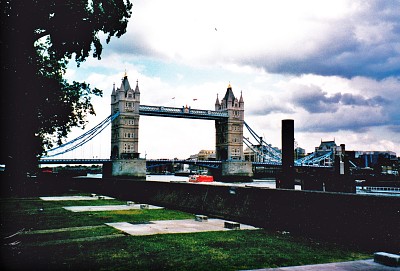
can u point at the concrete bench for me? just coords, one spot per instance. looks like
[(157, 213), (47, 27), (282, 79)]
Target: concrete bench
[(232, 225), (201, 218), (387, 259), (129, 203)]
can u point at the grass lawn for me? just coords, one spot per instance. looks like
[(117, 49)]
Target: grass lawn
[(57, 239)]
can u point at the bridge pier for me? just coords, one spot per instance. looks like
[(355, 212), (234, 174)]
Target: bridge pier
[(236, 171), (130, 168)]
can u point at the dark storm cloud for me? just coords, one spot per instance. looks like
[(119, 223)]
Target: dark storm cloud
[(367, 44), (314, 100), (352, 59), (346, 124)]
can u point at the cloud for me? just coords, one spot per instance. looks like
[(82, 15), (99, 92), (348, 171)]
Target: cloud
[(266, 108), (344, 38), (314, 100), (333, 104)]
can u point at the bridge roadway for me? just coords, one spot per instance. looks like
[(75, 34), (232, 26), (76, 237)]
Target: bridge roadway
[(208, 164)]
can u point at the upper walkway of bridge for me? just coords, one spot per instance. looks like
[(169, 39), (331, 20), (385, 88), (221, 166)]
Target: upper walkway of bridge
[(183, 112)]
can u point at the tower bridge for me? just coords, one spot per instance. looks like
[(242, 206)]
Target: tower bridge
[(125, 160), (228, 116)]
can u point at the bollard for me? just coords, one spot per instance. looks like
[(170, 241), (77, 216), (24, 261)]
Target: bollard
[(287, 178), (232, 225), (201, 218)]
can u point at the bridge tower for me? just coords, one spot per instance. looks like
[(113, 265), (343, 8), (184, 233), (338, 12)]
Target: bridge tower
[(125, 131), (229, 132), (229, 138)]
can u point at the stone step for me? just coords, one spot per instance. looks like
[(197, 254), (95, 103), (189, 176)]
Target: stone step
[(387, 259)]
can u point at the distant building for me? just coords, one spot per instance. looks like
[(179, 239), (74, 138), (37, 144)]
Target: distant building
[(324, 154), (325, 147), (249, 155), (382, 161), (370, 159), (299, 153), (206, 155)]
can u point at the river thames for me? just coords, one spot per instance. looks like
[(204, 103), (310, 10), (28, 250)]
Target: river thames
[(261, 183)]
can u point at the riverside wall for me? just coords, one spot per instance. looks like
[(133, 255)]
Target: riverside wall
[(371, 222)]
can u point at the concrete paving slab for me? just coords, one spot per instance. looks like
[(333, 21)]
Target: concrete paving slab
[(363, 265), (108, 208), (174, 226), (61, 198)]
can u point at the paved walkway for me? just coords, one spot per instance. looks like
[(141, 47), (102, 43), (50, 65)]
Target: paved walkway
[(174, 226), (83, 228), (110, 208), (61, 198), (363, 265)]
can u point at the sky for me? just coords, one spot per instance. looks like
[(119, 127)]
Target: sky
[(331, 66)]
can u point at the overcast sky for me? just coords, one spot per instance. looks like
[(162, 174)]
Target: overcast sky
[(332, 66)]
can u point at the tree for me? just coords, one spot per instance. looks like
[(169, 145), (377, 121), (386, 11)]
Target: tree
[(38, 38)]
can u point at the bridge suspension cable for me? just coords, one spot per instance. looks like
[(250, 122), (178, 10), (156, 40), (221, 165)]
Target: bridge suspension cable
[(266, 152), (316, 161), (82, 139)]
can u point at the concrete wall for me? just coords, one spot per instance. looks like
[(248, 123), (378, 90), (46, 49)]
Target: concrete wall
[(367, 221)]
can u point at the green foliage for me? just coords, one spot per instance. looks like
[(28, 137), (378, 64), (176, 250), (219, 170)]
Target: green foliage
[(38, 38)]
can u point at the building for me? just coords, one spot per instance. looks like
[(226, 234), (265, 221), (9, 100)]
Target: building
[(370, 159), (325, 147), (206, 155), (299, 153)]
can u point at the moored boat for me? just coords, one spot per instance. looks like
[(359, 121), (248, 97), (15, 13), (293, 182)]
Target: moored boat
[(200, 178)]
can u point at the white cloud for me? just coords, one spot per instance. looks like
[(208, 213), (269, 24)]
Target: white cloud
[(330, 37)]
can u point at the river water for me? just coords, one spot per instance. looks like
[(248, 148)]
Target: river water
[(262, 183)]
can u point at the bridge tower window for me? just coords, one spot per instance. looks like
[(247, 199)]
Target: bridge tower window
[(128, 135), (129, 105), (128, 148)]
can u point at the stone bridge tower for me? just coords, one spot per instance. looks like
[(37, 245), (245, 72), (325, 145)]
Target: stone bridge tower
[(125, 128), (229, 132), (229, 138), (125, 131)]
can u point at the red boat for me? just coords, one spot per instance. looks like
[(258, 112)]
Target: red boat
[(200, 178)]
